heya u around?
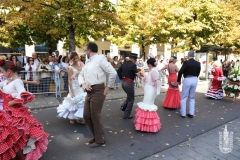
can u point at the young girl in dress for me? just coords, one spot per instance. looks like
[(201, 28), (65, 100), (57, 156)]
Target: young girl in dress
[(72, 105), (2, 78), (22, 136)]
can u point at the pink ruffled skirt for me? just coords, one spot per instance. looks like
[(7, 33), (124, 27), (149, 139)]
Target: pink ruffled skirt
[(147, 121)]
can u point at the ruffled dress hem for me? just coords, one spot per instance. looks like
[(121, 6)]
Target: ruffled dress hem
[(215, 93), (18, 127), (147, 121), (72, 108)]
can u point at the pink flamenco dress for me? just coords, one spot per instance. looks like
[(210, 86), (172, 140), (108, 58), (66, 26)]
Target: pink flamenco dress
[(146, 118), (215, 91), (173, 98), (19, 130)]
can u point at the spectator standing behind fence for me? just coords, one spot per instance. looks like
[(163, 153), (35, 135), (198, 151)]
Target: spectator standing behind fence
[(45, 76), (140, 67), (83, 59), (14, 59), (65, 64), (57, 76), (39, 58), (50, 59), (31, 75), (23, 60), (116, 64), (59, 57), (36, 61), (8, 56)]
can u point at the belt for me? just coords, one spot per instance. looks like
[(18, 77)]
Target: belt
[(187, 76), (127, 79)]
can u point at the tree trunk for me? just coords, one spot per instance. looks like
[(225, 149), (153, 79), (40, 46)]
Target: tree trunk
[(71, 36), (143, 50), (50, 49)]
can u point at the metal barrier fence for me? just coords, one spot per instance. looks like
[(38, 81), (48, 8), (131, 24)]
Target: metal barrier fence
[(49, 82)]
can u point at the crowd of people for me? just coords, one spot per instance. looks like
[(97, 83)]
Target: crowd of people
[(47, 70)]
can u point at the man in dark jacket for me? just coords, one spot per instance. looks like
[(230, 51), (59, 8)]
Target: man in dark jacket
[(127, 72), (190, 70)]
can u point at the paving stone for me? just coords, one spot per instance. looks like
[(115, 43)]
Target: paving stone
[(190, 152), (200, 157), (232, 157), (176, 151), (204, 152), (216, 157), (185, 157)]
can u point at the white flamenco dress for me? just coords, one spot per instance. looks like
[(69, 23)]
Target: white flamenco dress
[(72, 108), (146, 118)]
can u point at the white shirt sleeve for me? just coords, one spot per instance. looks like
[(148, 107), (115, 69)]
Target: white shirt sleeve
[(108, 68)]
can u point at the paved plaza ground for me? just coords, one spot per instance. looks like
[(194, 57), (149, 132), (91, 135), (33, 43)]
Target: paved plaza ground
[(178, 138)]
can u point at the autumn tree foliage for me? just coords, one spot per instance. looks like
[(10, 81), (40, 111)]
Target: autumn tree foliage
[(75, 21), (187, 24)]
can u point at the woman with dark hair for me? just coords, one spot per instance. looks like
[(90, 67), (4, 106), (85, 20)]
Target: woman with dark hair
[(147, 118), (173, 98), (116, 64), (14, 59), (31, 75), (45, 76), (22, 136), (72, 105)]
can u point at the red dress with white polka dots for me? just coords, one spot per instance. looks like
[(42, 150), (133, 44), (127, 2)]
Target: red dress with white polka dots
[(19, 130)]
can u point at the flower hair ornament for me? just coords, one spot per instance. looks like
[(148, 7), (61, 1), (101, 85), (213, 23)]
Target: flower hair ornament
[(1, 62), (2, 59), (156, 63), (11, 64)]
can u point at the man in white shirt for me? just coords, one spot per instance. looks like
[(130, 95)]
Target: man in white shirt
[(23, 60), (92, 79), (36, 61)]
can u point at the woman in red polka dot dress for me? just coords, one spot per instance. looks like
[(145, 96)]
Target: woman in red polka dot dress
[(21, 135)]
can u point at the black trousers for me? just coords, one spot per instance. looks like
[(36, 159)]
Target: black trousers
[(128, 87)]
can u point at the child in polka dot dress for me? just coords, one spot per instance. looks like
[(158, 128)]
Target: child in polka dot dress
[(21, 135)]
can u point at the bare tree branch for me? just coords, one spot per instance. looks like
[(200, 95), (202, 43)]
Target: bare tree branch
[(58, 3), (50, 6)]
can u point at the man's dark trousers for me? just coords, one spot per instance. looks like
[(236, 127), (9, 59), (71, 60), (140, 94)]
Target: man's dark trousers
[(128, 87)]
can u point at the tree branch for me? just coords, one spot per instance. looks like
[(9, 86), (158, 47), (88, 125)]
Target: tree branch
[(50, 6), (58, 3)]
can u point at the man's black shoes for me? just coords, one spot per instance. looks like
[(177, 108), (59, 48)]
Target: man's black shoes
[(190, 116), (122, 108), (129, 117)]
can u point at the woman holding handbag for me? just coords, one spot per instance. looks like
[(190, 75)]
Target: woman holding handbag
[(173, 97)]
